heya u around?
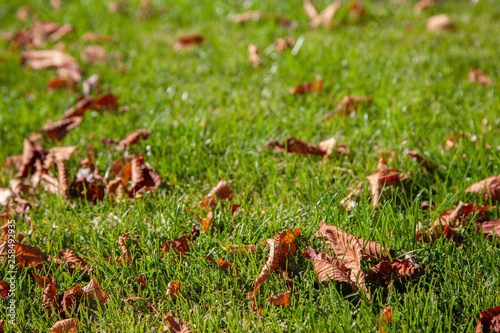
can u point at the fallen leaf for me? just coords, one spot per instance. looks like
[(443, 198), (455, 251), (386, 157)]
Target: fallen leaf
[(426, 163), (221, 191), (125, 251), (478, 76), (281, 299), (205, 222), (95, 291), (385, 178), (439, 23), (26, 255), (324, 17), (65, 64), (176, 326), (398, 269), (283, 43), (308, 87), (424, 4), (69, 299), (293, 145), (32, 152), (151, 306), (73, 261), (38, 35), (181, 244), (65, 326), (348, 104), (385, 319), (133, 139), (187, 42), (254, 57), (489, 228), (4, 289), (489, 321), (59, 129), (173, 289), (356, 11), (58, 153), (489, 188), (49, 300), (94, 54), (251, 15), (143, 178)]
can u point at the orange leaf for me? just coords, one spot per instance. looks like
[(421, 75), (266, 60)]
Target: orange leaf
[(308, 87), (173, 289), (281, 299), (385, 319), (65, 326), (95, 291), (187, 42)]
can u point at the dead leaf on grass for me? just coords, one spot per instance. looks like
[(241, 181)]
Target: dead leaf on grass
[(65, 326), (59, 129), (439, 22), (176, 326), (385, 178), (348, 104), (221, 191), (489, 321), (489, 188), (181, 244), (173, 289), (281, 299), (187, 42), (66, 65), (253, 51), (95, 291), (385, 319), (308, 87), (478, 76), (283, 43), (94, 54), (325, 17)]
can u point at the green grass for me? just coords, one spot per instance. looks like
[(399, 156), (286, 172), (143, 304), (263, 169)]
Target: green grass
[(421, 96)]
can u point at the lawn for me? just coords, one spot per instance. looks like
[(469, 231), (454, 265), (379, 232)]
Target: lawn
[(210, 112)]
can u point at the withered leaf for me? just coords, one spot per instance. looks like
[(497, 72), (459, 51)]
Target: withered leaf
[(293, 145), (50, 184), (73, 261), (60, 128), (176, 326), (26, 255), (478, 76), (41, 32), (69, 299), (385, 319), (251, 15), (349, 104), (65, 64), (95, 291), (308, 87), (489, 321), (60, 82), (94, 54), (133, 139), (205, 222), (65, 326), (63, 178), (85, 103), (253, 54), (173, 289), (125, 251), (58, 153), (281, 299), (385, 178), (221, 191), (143, 178), (439, 22), (151, 306), (489, 188), (4, 289), (283, 43), (181, 244), (187, 42), (490, 228), (32, 152), (324, 17), (48, 284), (398, 269)]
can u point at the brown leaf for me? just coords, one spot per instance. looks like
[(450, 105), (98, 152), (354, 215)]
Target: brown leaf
[(63, 178), (85, 103), (39, 34), (26, 255), (60, 82), (4, 289), (349, 104), (384, 178), (398, 269), (478, 76), (439, 23), (48, 284), (173, 289), (347, 250), (490, 228), (489, 321), (58, 153), (73, 261), (348, 203), (133, 139), (308, 87), (251, 15), (221, 191), (65, 326), (253, 51), (187, 42), (32, 152), (95, 292), (143, 178), (385, 319), (65, 64), (489, 188), (283, 43), (205, 222), (69, 299), (426, 163), (59, 129), (328, 268), (281, 299), (125, 251), (181, 244), (50, 184), (176, 326), (456, 217), (94, 54), (424, 4), (324, 17), (151, 306)]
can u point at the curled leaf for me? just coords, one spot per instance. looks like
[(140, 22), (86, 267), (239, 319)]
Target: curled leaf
[(59, 129), (95, 291), (221, 191), (133, 139), (349, 104), (173, 289), (65, 64), (176, 326), (308, 87), (489, 188), (65, 326), (281, 299)]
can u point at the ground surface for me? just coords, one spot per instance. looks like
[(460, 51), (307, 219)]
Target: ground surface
[(210, 113)]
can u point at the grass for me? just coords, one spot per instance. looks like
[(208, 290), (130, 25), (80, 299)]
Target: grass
[(210, 113)]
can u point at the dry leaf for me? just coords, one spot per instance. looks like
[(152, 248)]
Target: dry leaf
[(384, 178), (254, 57), (38, 35), (424, 4), (293, 145), (26, 255), (69, 299), (63, 179), (187, 42), (324, 17), (308, 87), (73, 261), (49, 301), (133, 139), (489, 321), (4, 289), (176, 326), (426, 163), (143, 178), (32, 152), (85, 103), (95, 292), (281, 299), (349, 104), (221, 191), (59, 129), (439, 23), (283, 43), (60, 82), (66, 65), (488, 188), (94, 54), (251, 15), (58, 153), (181, 244), (385, 319), (205, 222), (65, 326), (125, 252), (478, 76), (151, 306), (398, 269), (490, 229), (173, 289)]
